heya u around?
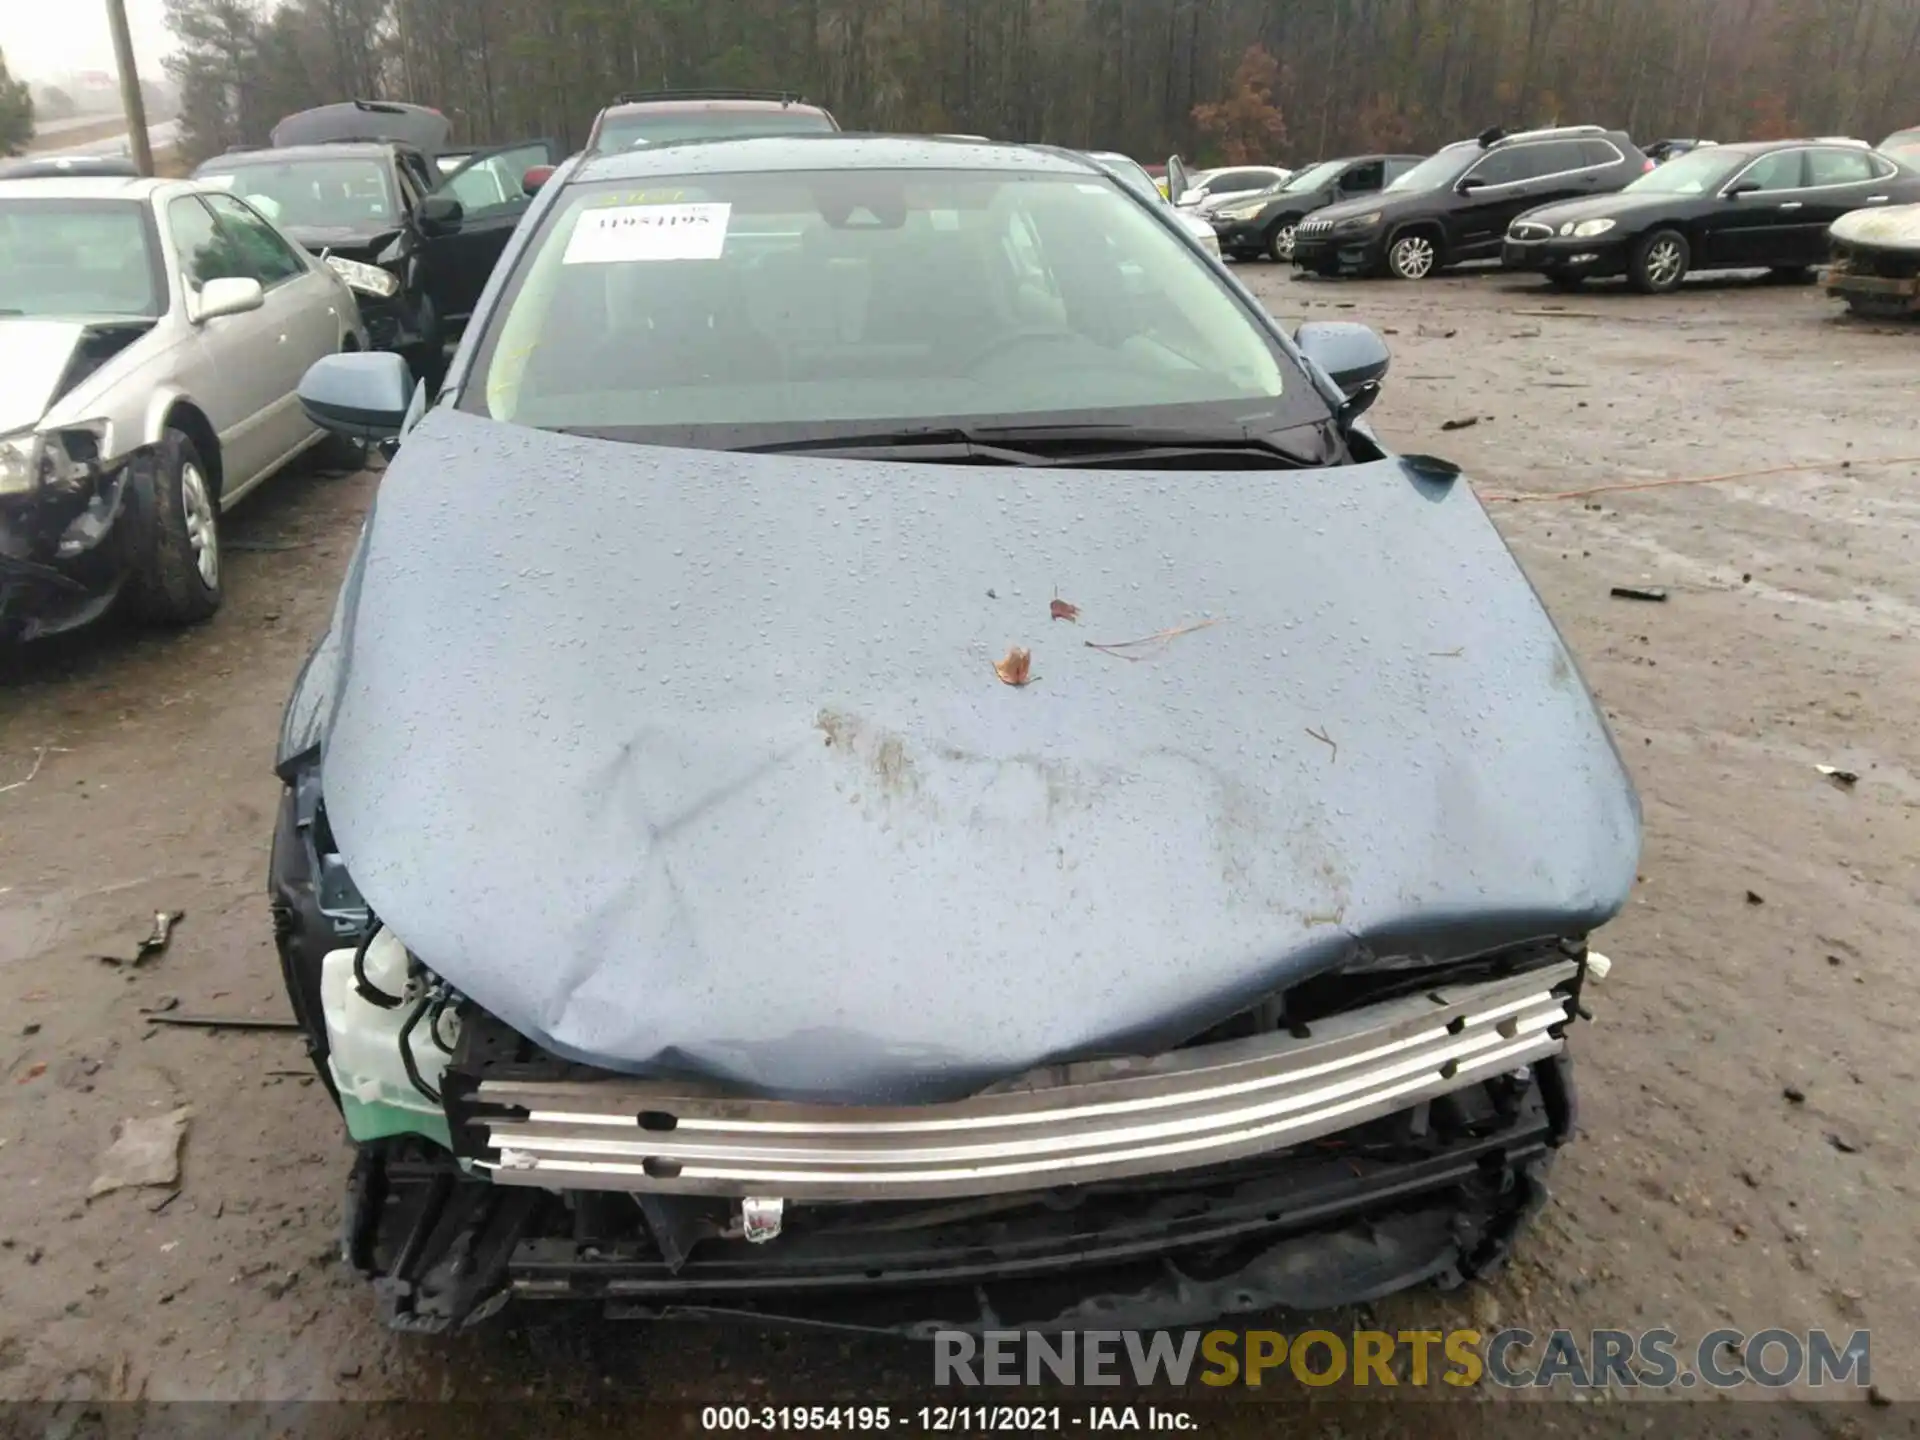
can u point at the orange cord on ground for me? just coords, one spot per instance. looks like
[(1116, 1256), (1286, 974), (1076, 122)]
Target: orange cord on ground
[(1701, 479)]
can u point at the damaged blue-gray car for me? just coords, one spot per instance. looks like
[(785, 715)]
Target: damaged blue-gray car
[(895, 753)]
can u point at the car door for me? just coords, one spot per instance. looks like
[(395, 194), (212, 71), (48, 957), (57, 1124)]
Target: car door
[(1492, 193), (492, 200), (1758, 212), (1839, 180), (246, 365), (305, 305)]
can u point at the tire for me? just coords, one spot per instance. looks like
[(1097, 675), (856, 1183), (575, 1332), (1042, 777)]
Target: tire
[(1280, 240), (1660, 262), (1413, 255), (177, 582)]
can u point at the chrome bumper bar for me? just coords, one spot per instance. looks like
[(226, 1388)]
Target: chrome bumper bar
[(1065, 1125)]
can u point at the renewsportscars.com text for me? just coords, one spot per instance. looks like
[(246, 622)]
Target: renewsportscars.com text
[(1511, 1358)]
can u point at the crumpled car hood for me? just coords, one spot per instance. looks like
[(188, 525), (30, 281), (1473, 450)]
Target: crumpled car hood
[(698, 764), (1893, 228), (34, 355)]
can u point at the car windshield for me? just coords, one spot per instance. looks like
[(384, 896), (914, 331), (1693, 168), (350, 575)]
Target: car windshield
[(872, 296), (1695, 173), (663, 127), (318, 194), (1129, 171), (1439, 170), (1315, 177), (78, 258)]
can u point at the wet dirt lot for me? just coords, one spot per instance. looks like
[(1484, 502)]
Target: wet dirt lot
[(1750, 1139)]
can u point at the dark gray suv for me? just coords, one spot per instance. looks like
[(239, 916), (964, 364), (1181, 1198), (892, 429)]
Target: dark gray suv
[(1456, 205)]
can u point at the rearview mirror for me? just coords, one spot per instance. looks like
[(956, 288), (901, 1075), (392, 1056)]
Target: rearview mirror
[(440, 215), (361, 396), (1352, 355), (232, 296), (535, 178)]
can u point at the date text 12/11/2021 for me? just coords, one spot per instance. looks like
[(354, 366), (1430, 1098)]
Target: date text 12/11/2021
[(941, 1419)]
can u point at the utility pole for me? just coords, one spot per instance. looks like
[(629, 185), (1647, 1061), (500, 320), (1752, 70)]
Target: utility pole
[(130, 97)]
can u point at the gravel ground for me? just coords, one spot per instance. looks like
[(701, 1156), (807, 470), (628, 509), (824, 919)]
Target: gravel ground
[(1748, 1148)]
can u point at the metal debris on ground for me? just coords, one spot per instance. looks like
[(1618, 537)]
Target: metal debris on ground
[(223, 1022), (154, 944), (144, 1152), (1845, 779), (1637, 592), (39, 759)]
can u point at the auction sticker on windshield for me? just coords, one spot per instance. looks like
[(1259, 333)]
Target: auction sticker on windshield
[(619, 235)]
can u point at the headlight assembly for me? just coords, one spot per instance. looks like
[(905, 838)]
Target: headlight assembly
[(1586, 229), (32, 460), (1360, 222), (1239, 212), (368, 278)]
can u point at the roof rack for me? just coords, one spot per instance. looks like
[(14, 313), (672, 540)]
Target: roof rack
[(1497, 136), (641, 97)]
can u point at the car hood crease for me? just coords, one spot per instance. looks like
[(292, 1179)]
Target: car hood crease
[(697, 764)]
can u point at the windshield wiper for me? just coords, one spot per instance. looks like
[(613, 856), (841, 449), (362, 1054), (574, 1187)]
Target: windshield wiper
[(1055, 445)]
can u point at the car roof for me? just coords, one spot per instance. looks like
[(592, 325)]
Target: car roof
[(1749, 148), (61, 187), (839, 151), (280, 154), (681, 102)]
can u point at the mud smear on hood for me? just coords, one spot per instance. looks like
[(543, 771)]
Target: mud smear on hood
[(694, 763)]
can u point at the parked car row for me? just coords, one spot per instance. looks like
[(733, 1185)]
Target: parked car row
[(1573, 203)]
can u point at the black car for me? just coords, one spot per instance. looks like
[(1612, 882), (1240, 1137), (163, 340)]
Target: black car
[(1264, 224), (1456, 205), (416, 246), (1726, 207), (620, 997)]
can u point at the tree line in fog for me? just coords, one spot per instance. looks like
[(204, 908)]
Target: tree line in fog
[(1298, 79)]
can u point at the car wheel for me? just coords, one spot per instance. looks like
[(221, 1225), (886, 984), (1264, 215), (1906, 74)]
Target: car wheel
[(1280, 242), (178, 581), (1412, 256), (1660, 262)]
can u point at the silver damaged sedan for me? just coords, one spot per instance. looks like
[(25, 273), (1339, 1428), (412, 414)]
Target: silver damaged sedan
[(151, 337)]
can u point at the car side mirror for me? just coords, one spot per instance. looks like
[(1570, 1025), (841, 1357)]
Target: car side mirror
[(440, 215), (1471, 183), (1745, 187), (1193, 197), (235, 295), (363, 395), (1353, 356), (535, 178)]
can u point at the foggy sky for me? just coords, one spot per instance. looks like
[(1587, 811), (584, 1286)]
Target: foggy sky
[(44, 39)]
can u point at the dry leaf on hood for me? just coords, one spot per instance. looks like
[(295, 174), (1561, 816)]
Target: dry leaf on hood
[(1065, 609), (1016, 669)]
